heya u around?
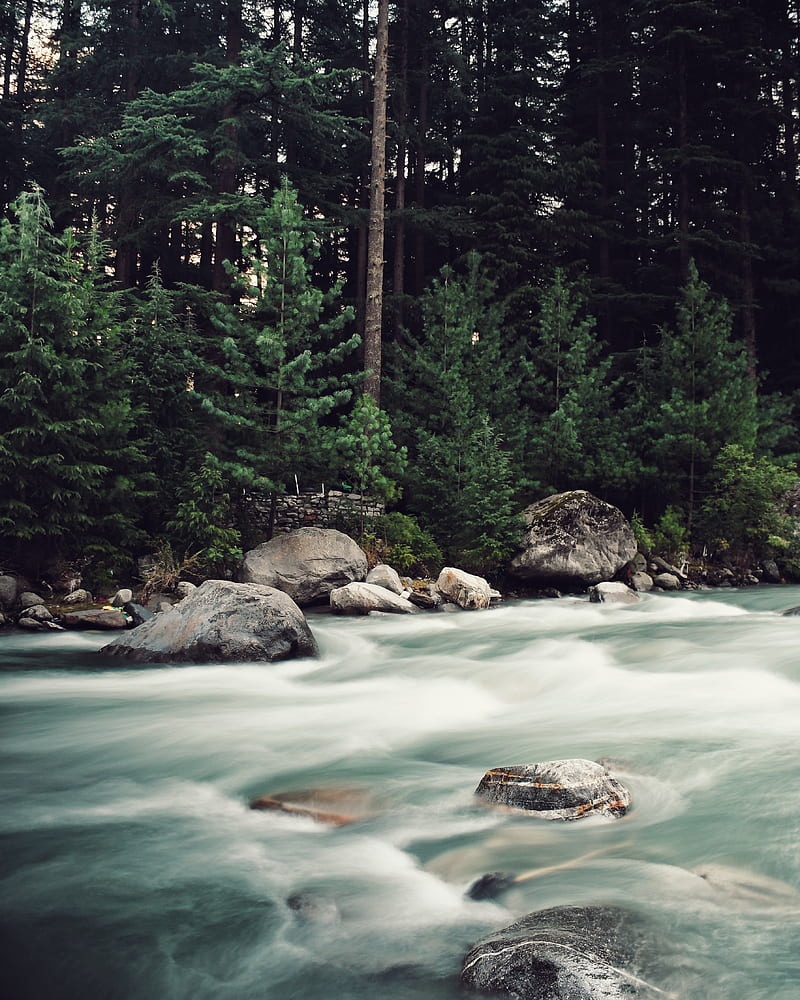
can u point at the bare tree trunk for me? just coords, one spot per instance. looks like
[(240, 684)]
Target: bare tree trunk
[(683, 168), (374, 298), (398, 272), (226, 249)]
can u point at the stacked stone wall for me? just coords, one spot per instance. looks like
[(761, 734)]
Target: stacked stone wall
[(333, 508)]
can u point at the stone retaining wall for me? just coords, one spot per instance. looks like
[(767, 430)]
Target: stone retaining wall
[(304, 510)]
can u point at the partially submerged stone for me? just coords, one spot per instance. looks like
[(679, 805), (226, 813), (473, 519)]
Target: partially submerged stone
[(564, 953), (220, 622), (613, 592), (557, 789), (361, 598), (332, 806)]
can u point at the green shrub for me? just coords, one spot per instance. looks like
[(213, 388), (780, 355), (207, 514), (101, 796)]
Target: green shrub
[(400, 541), (743, 513)]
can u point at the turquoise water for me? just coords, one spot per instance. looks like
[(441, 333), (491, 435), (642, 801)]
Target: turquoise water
[(132, 867)]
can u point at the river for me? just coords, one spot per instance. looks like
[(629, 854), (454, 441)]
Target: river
[(131, 865)]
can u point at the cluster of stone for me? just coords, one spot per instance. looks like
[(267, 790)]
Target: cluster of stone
[(308, 509)]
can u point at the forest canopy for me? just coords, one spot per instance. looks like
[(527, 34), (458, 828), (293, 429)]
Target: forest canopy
[(590, 268)]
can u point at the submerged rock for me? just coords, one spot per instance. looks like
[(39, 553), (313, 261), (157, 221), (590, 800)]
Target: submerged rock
[(573, 540), (332, 806), (307, 564), (220, 622), (613, 593), (556, 789), (564, 953)]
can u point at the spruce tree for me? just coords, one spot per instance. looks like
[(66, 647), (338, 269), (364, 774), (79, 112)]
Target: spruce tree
[(269, 395), (70, 478), (707, 394)]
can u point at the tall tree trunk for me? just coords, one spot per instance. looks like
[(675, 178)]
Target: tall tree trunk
[(683, 166), (374, 297), (419, 176), (127, 209), (398, 271), (227, 182)]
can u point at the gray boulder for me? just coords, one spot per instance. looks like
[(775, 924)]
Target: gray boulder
[(612, 593), (641, 582), (384, 576), (99, 619), (220, 622), (306, 564), (360, 598), (8, 591), (667, 581), (564, 953), (571, 541), (121, 597), (27, 599), (468, 591), (557, 789)]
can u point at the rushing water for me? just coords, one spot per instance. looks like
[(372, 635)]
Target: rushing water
[(132, 867)]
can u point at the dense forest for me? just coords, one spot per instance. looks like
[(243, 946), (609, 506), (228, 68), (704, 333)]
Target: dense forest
[(583, 222)]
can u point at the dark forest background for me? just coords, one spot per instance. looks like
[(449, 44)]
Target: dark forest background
[(591, 271)]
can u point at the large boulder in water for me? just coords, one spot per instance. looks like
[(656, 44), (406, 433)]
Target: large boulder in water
[(564, 953), (572, 540), (220, 622), (556, 789), (307, 564)]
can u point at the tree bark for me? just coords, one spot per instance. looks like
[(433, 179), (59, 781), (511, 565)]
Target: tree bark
[(374, 297), (225, 248)]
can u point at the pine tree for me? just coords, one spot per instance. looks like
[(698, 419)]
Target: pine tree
[(570, 441), (707, 393), (69, 475), (270, 394)]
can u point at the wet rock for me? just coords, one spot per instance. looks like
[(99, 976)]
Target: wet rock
[(361, 598), (332, 806), (612, 593), (564, 953), (307, 564), (770, 572), (220, 622), (104, 619), (572, 541), (791, 612), (385, 576), (470, 592), (667, 581), (558, 789)]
